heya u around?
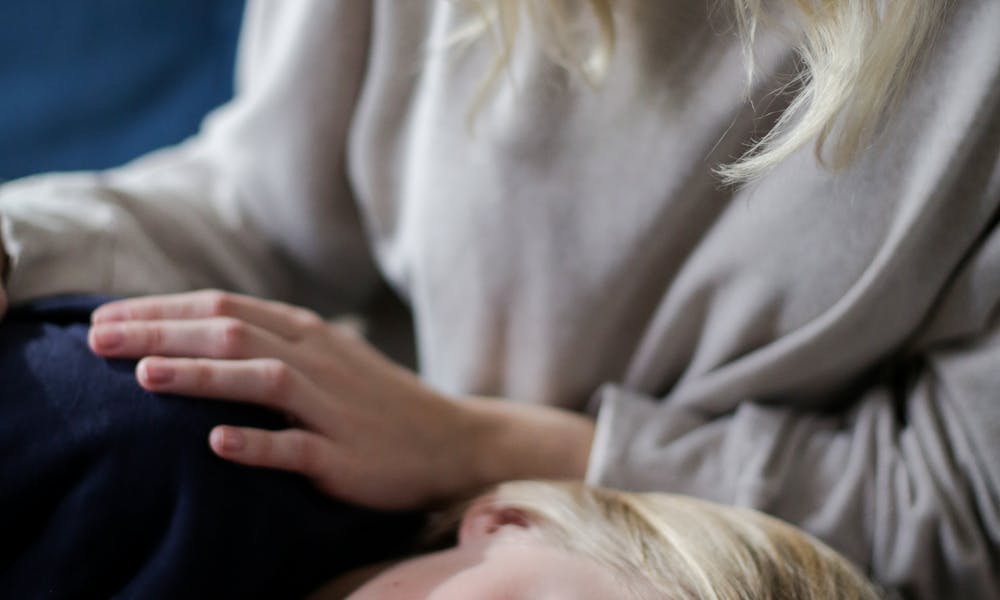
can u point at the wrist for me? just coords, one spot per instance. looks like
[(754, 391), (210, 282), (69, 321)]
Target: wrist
[(511, 441)]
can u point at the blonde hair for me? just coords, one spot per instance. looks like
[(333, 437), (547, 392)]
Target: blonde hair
[(855, 55), (661, 545)]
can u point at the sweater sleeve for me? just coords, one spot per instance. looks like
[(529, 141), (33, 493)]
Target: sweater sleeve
[(257, 202), (905, 480)]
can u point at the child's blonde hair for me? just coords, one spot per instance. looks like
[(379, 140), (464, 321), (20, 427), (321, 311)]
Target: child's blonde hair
[(666, 546), (856, 56)]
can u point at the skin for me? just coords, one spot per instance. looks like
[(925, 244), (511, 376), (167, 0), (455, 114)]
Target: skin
[(500, 555), (511, 567), (362, 428)]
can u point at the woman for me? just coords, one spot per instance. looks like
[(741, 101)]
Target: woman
[(817, 344)]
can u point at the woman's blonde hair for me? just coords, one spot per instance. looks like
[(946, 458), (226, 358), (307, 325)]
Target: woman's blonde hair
[(855, 58), (666, 546)]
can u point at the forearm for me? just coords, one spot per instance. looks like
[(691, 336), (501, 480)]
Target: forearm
[(256, 202), (154, 231), (906, 498)]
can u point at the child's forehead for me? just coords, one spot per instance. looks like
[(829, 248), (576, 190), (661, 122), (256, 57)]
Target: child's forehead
[(520, 564)]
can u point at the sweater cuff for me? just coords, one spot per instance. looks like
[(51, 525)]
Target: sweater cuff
[(643, 443), (611, 436)]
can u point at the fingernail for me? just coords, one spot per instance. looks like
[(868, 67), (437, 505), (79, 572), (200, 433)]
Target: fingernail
[(230, 440), (157, 373), (108, 338)]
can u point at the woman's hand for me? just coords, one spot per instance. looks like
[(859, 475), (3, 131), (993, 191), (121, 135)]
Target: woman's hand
[(364, 429)]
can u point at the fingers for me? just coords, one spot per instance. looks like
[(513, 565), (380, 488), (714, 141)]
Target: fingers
[(293, 450), (209, 338), (290, 322), (265, 381)]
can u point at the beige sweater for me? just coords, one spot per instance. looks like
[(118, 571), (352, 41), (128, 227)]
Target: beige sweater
[(825, 348)]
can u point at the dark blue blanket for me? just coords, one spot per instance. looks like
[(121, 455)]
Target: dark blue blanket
[(108, 490)]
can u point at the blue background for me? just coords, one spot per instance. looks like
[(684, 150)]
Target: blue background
[(90, 84)]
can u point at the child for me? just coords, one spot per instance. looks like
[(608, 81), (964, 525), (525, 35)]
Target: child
[(533, 539)]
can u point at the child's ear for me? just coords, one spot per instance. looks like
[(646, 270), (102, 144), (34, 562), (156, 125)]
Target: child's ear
[(484, 518)]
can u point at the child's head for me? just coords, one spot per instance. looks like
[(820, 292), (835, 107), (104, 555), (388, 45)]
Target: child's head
[(567, 540)]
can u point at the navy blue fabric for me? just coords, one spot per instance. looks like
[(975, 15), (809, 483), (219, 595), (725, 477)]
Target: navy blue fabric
[(91, 84), (107, 490)]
